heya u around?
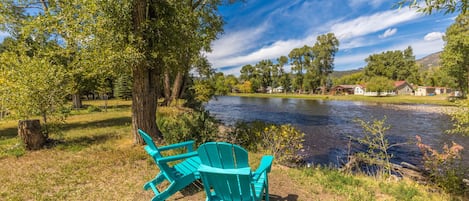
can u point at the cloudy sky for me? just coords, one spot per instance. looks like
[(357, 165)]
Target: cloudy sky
[(266, 29)]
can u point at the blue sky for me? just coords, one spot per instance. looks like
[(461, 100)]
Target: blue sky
[(267, 29)]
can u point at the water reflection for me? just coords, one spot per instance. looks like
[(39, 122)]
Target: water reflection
[(328, 125)]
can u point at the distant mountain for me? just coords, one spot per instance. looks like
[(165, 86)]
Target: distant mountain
[(429, 61)]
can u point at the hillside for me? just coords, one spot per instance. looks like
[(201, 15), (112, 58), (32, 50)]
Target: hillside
[(428, 61), (431, 60)]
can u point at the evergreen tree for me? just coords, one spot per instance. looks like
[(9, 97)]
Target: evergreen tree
[(123, 87)]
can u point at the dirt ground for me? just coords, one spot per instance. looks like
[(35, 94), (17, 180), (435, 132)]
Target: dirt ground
[(281, 187)]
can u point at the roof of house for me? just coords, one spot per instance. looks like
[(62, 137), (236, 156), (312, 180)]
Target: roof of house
[(346, 86), (399, 83)]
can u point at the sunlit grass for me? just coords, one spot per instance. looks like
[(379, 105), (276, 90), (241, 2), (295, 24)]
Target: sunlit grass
[(95, 159), (336, 185), (437, 100)]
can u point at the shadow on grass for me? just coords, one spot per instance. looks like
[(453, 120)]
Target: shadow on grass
[(8, 133), (80, 143), (290, 197), (101, 123)]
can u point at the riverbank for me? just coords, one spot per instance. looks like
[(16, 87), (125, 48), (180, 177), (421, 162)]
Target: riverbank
[(428, 100), (95, 159), (431, 104)]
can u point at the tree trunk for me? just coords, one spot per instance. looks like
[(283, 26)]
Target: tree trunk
[(177, 86), (31, 135), (145, 83), (76, 100), (167, 89)]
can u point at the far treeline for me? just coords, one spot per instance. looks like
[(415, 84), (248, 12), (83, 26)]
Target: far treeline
[(311, 68), (58, 52)]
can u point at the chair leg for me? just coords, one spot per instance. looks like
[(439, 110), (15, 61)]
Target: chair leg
[(155, 181), (266, 189)]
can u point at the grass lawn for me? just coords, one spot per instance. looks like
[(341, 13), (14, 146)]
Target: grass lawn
[(436, 100), (95, 159)]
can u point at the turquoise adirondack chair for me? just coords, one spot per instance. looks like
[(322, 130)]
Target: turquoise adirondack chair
[(226, 174), (183, 173)]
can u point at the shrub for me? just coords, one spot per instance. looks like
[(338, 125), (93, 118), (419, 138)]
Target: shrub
[(92, 108), (283, 142), (246, 134), (445, 168), (376, 141), (192, 125), (460, 118)]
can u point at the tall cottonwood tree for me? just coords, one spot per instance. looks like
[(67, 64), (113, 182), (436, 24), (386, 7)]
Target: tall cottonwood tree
[(198, 25), (324, 53), (300, 59), (159, 31), (455, 55)]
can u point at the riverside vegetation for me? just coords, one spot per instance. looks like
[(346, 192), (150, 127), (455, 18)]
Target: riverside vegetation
[(94, 158)]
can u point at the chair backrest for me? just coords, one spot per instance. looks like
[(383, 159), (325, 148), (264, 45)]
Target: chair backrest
[(150, 144), (226, 171), (228, 184), (223, 155)]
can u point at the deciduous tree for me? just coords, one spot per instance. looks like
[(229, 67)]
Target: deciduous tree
[(324, 53), (455, 55)]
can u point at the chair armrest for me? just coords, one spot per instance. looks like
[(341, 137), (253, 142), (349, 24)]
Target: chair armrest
[(188, 144), (177, 157), (264, 167), (238, 171)]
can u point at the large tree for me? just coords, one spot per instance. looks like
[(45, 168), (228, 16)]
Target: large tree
[(430, 6), (299, 58), (394, 65), (455, 56), (324, 53)]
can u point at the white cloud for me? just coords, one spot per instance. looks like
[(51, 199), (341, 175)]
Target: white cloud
[(370, 24), (433, 36), (374, 3), (277, 49), (388, 32), (236, 43)]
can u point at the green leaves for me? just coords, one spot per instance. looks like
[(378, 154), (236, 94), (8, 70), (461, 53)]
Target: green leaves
[(455, 59), (33, 86), (430, 6)]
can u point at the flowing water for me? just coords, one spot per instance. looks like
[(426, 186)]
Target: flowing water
[(329, 125)]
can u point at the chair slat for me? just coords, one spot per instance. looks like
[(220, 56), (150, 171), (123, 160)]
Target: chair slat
[(226, 174), (178, 175)]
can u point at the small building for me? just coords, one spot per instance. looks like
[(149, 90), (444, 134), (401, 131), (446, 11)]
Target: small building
[(425, 91), (403, 88), (359, 90), (278, 89)]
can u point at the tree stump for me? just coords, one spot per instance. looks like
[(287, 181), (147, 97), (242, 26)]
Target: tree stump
[(30, 133)]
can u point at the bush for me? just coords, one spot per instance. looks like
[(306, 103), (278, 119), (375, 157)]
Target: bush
[(246, 134), (445, 168), (93, 108), (192, 125), (283, 142), (377, 143)]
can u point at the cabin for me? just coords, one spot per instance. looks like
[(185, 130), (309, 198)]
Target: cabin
[(403, 88), (425, 91), (343, 90)]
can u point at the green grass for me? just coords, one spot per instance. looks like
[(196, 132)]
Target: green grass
[(95, 159), (434, 100), (340, 186)]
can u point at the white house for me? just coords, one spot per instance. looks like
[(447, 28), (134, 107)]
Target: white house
[(359, 90)]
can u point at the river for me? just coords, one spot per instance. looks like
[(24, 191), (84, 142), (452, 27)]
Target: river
[(328, 125)]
